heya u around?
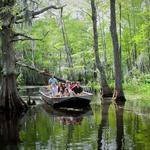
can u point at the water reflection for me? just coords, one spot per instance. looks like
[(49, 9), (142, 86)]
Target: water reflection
[(48, 128), (108, 126), (9, 130), (104, 138), (67, 116), (105, 103), (119, 108)]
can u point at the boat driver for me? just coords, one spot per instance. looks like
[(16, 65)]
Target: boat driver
[(53, 85)]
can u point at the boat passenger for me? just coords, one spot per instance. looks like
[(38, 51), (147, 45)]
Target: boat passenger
[(77, 89), (73, 84), (66, 92), (61, 88), (53, 85), (68, 86), (68, 83)]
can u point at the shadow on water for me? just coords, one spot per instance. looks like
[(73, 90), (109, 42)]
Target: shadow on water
[(9, 130), (119, 108)]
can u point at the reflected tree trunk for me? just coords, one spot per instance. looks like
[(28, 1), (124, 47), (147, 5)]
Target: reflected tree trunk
[(9, 130), (119, 107), (104, 121), (69, 135)]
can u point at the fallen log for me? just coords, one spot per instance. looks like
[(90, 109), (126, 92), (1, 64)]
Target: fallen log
[(43, 72)]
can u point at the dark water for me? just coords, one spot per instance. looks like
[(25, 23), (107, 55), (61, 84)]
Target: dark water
[(105, 126)]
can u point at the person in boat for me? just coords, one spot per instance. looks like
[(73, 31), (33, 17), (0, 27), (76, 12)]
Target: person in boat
[(61, 88), (73, 84), (66, 92), (77, 89), (53, 85), (68, 84)]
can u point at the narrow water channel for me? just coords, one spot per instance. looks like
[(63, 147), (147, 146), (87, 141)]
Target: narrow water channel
[(106, 125)]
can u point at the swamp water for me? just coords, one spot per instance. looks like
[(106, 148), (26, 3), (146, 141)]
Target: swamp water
[(105, 126)]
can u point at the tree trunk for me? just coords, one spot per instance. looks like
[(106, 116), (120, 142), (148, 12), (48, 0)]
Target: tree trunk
[(9, 97), (134, 51), (104, 42), (120, 46), (118, 91), (104, 62), (106, 91), (67, 48), (85, 69), (129, 54)]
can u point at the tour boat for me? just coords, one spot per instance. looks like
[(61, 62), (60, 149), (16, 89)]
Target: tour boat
[(83, 100)]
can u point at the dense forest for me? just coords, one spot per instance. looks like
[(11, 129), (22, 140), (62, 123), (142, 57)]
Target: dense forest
[(103, 44)]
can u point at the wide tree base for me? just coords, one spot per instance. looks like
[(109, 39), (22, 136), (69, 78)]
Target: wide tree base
[(12, 103), (106, 92), (9, 96)]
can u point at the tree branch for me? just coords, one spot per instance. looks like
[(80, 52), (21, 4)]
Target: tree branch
[(43, 72), (35, 13), (26, 37), (84, 11)]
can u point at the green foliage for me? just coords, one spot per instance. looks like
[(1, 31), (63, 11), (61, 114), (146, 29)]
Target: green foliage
[(50, 52), (20, 80), (94, 86), (136, 77), (138, 88)]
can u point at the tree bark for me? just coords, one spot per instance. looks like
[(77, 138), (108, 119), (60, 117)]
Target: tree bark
[(118, 91), (129, 60), (67, 48), (103, 41), (134, 50), (105, 90), (120, 46), (9, 97)]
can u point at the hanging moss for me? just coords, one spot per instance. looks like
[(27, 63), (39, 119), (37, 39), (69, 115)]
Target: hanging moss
[(33, 78)]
